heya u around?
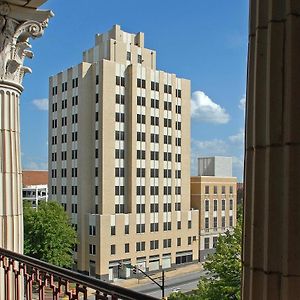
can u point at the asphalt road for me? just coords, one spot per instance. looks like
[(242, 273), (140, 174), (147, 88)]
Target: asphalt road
[(184, 282)]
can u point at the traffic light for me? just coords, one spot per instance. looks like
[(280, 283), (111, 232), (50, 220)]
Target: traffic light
[(134, 270), (120, 265)]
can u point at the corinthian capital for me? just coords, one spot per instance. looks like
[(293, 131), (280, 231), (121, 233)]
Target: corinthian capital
[(17, 25)]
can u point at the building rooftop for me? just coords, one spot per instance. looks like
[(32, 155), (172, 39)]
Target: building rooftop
[(34, 177)]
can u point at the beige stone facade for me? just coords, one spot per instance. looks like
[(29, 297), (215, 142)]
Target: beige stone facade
[(119, 158), (215, 198)]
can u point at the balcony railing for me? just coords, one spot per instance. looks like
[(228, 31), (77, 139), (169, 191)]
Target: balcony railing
[(40, 280)]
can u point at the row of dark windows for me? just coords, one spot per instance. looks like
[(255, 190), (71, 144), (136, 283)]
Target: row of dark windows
[(64, 121), (64, 103), (64, 86), (215, 189)]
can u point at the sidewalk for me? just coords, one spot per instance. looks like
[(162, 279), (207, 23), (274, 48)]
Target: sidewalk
[(132, 282)]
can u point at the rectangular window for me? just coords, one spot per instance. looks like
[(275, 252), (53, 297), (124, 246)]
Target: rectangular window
[(167, 173), (112, 230), (141, 136), (177, 206), (215, 222), (167, 190), (167, 156), (154, 173), (223, 204), (167, 207), (154, 86), (178, 225), (206, 223), (206, 205), (92, 230), (128, 55), (154, 207), (231, 204), (153, 227), (126, 248), (168, 89), (215, 190), (206, 243), (153, 190), (120, 81), (140, 208), (140, 190), (168, 105), (230, 221), (140, 228), (178, 242), (178, 109), (119, 153), (215, 205), (140, 246), (178, 93), (154, 244), (126, 230), (120, 99), (223, 189), (189, 240), (231, 189), (223, 222), (140, 172), (112, 249), (141, 83), (154, 138), (167, 243), (141, 119), (154, 121), (140, 154), (139, 59), (207, 189), (92, 249), (141, 101), (189, 224), (154, 103)]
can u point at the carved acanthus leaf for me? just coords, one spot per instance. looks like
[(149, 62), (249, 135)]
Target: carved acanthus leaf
[(14, 37)]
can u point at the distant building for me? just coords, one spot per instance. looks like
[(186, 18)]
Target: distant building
[(219, 166), (215, 198), (119, 158), (35, 186)]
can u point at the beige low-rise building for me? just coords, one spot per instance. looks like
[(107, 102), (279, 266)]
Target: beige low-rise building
[(215, 198), (119, 158)]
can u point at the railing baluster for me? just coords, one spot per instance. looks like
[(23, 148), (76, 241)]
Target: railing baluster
[(34, 277)]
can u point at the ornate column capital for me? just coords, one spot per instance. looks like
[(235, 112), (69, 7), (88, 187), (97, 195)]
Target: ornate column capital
[(17, 25)]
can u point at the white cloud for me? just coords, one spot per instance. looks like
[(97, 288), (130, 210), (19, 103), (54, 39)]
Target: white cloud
[(242, 104), (238, 138), (205, 110), (41, 104)]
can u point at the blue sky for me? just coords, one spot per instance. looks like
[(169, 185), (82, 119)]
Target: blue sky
[(202, 40)]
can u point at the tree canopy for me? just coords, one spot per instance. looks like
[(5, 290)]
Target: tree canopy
[(223, 270), (48, 234)]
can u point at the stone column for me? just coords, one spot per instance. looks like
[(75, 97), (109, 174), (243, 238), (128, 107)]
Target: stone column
[(271, 249), (17, 24)]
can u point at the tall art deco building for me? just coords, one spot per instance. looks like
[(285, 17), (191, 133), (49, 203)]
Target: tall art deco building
[(119, 158)]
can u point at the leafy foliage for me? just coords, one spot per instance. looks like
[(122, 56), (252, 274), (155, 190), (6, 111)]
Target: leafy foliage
[(223, 268), (48, 234)]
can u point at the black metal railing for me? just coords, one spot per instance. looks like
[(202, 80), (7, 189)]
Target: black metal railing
[(36, 279)]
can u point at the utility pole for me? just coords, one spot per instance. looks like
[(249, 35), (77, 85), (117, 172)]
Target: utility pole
[(161, 286)]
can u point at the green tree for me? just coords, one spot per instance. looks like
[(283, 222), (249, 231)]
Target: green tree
[(48, 234), (223, 269)]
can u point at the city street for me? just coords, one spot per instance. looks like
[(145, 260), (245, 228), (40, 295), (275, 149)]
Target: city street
[(184, 282)]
